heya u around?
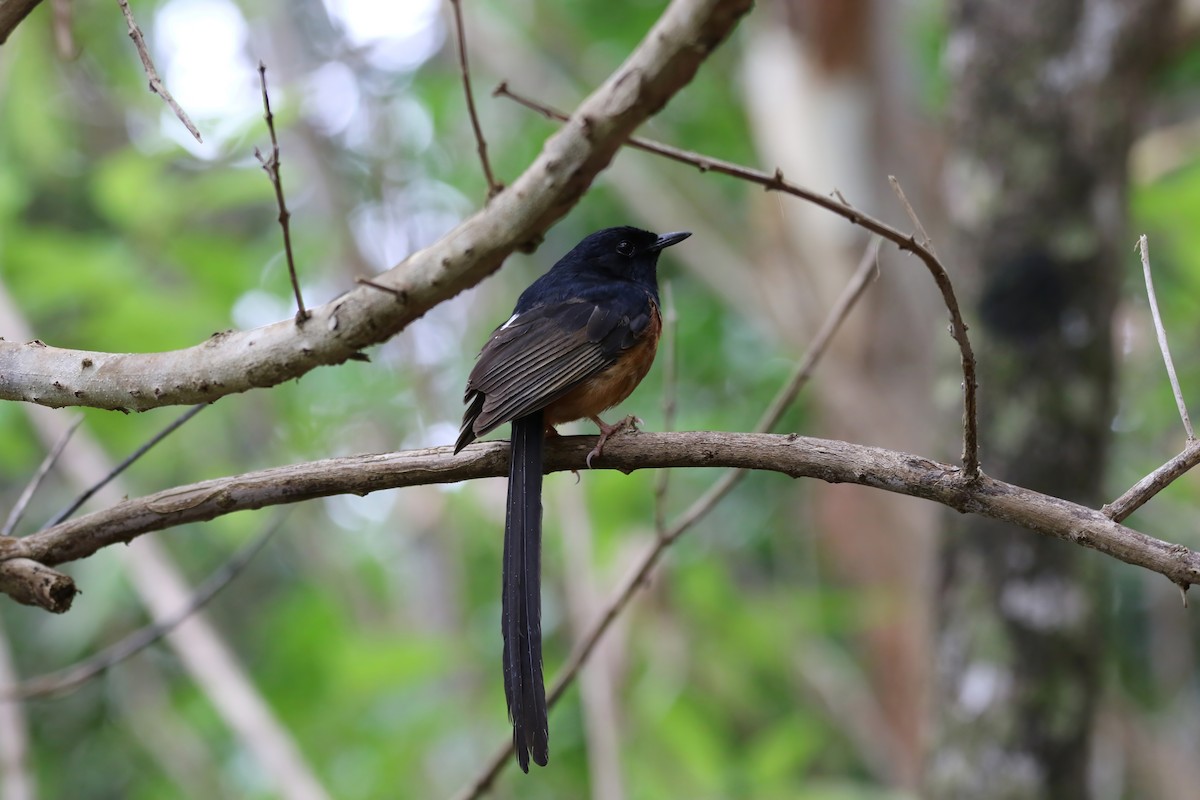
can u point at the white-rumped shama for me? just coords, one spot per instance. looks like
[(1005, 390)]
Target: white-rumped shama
[(579, 341)]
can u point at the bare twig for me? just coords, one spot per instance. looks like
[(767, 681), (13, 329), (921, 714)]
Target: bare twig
[(670, 370), (18, 510), (156, 84), (905, 241), (494, 188), (271, 167), (912, 212), (72, 677), (1144, 246), (1142, 491), (706, 502), (124, 465)]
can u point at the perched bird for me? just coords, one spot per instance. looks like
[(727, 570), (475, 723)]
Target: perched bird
[(580, 339)]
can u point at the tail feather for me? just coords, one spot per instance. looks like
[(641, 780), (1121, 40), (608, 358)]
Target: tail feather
[(524, 686)]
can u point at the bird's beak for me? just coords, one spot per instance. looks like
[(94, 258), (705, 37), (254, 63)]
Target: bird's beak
[(668, 239)]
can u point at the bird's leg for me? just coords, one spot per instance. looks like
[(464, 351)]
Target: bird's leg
[(631, 422)]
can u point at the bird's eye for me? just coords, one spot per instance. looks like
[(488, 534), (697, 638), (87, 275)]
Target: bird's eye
[(625, 248)]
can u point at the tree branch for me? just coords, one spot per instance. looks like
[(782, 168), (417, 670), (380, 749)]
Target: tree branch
[(460, 33), (156, 84), (271, 167), (236, 361), (34, 584), (792, 455), (11, 14), (1141, 492), (1161, 331)]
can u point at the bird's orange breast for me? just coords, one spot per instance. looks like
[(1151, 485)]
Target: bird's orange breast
[(613, 384)]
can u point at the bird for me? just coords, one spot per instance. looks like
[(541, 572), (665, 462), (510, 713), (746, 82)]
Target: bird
[(579, 341)]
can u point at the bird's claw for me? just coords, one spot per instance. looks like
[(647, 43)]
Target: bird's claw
[(629, 423)]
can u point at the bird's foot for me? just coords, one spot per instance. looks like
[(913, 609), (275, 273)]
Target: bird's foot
[(629, 423)]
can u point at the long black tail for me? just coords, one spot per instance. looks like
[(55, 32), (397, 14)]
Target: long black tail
[(522, 601)]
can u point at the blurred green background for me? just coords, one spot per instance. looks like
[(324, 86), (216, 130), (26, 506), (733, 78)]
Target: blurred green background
[(370, 626)]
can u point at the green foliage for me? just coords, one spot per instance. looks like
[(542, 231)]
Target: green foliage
[(371, 626)]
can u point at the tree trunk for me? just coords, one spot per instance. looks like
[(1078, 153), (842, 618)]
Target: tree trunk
[(1042, 113)]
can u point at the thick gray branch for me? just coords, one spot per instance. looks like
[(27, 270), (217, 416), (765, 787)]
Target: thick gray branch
[(237, 361), (795, 456), (34, 584)]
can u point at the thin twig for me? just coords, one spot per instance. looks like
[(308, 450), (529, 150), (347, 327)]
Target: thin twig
[(905, 241), (705, 503), (18, 510), (494, 188), (400, 295), (72, 677), (1144, 246), (670, 373), (119, 468), (271, 167), (912, 213), (156, 84), (1142, 491)]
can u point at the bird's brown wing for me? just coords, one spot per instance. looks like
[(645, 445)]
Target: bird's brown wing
[(539, 356)]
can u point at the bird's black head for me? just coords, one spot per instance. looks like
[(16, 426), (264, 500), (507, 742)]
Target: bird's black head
[(607, 259), (623, 252)]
